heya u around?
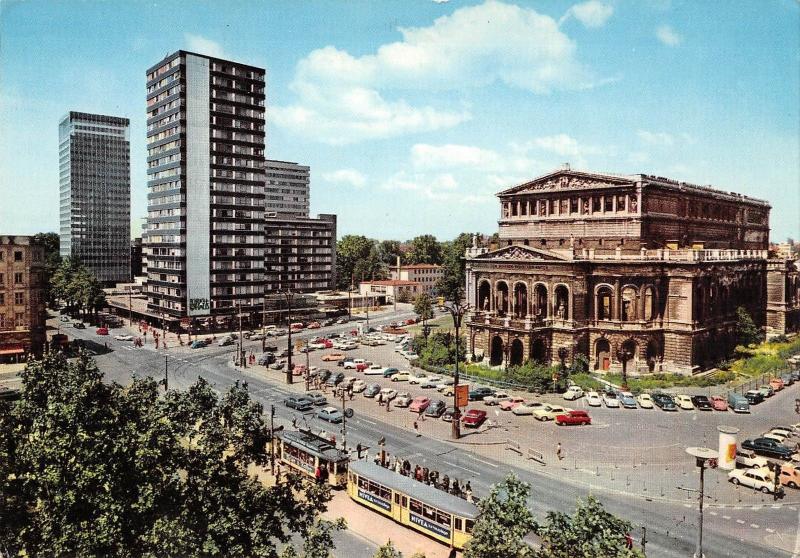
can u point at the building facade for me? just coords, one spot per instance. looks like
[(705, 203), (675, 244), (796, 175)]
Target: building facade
[(205, 135), (288, 188), (95, 193), (426, 275), (299, 254), (636, 268), (22, 298), (391, 290)]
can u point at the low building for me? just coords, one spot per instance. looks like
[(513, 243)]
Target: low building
[(425, 275), (299, 253), (22, 298), (391, 290)]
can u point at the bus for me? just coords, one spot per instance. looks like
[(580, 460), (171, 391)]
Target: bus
[(304, 452), (442, 516)]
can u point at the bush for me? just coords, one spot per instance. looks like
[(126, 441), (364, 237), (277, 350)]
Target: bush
[(587, 382), (663, 381)]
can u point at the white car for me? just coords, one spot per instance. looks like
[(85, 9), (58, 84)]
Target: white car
[(549, 412), (610, 399), (402, 400), (684, 402), (359, 386), (387, 394), (374, 370), (777, 436), (593, 399), (316, 345), (123, 337), (573, 393), (748, 458), (399, 348), (349, 365), (496, 399), (527, 408), (645, 401), (417, 378), (756, 478)]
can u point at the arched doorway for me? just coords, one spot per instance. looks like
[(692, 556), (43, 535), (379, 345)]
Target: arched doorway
[(516, 354), (502, 298), (652, 354), (628, 310), (540, 301), (539, 351), (603, 303), (484, 296), (602, 351), (520, 300), (561, 306), (496, 355)]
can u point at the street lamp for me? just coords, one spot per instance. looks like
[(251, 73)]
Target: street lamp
[(702, 456), (624, 354), (457, 310), (289, 295)]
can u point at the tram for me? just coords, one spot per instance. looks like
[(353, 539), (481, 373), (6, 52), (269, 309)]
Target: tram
[(306, 453), (440, 515)]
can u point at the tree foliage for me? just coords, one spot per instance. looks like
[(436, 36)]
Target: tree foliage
[(589, 533), (439, 349), (747, 332), (454, 278), (388, 551), (356, 260), (73, 283), (423, 306), (503, 523), (425, 249), (95, 469), (388, 251), (51, 243)]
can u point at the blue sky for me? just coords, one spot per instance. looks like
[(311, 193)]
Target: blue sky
[(413, 113)]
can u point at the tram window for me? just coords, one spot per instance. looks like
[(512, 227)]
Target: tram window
[(405, 502), (429, 513), (443, 518), (341, 467), (385, 493), (416, 506), (363, 483), (396, 498), (458, 524), (470, 524)]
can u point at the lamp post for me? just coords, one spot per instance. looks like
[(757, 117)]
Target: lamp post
[(289, 295), (624, 354), (457, 310), (702, 456)]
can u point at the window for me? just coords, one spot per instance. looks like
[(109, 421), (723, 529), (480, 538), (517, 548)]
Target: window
[(416, 506), (19, 298), (2, 299), (17, 256), (470, 525), (458, 524), (17, 278)]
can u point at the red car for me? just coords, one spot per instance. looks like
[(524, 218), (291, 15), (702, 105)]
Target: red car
[(361, 366), (313, 325), (328, 343), (102, 331), (574, 417), (718, 403), (473, 418), (411, 321)]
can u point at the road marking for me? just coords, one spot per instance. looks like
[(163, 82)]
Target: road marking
[(740, 522), (754, 526), (768, 530), (482, 461), (687, 505), (726, 517), (756, 508), (460, 467), (713, 513), (367, 420)]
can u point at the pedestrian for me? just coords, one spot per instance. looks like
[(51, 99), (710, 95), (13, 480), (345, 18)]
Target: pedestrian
[(416, 429), (398, 467), (358, 450), (318, 474), (426, 475), (421, 415), (324, 478), (468, 491), (278, 472), (559, 453), (446, 483)]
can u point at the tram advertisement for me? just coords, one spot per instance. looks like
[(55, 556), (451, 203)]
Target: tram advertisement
[(429, 525), (373, 500)]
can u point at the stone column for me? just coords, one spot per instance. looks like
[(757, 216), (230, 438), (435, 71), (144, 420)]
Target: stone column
[(617, 302)]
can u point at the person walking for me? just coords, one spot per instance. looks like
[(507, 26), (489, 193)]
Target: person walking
[(358, 450), (559, 452), (416, 429), (468, 491)]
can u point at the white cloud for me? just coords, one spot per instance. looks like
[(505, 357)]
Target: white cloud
[(564, 146), (668, 36), (203, 45), (425, 156), (342, 98), (433, 187), (346, 176), (663, 139), (591, 14), (441, 1)]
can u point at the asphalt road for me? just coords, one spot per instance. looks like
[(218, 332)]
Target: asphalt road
[(671, 527)]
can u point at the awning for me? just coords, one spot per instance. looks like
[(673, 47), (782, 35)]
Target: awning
[(16, 349)]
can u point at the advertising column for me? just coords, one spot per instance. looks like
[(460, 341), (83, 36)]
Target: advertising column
[(727, 447)]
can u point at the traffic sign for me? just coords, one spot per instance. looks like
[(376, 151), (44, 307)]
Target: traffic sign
[(462, 395)]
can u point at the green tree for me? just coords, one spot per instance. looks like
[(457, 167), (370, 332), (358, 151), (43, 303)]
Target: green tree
[(388, 551), (747, 332), (357, 259), (96, 469), (589, 533), (51, 243), (388, 251), (423, 306), (439, 349), (425, 249), (504, 522), (454, 277)]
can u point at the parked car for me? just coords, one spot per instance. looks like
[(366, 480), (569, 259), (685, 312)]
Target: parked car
[(738, 403), (101, 331), (299, 370), (702, 403), (323, 374), (436, 408), (431, 382), (753, 396), (277, 365), (372, 390), (265, 359), (776, 384), (480, 392), (447, 382), (417, 378), (684, 402), (335, 378), (199, 344), (767, 391), (645, 401), (387, 394), (756, 478), (627, 400), (225, 341), (527, 408), (78, 325), (787, 379), (317, 398), (374, 370), (790, 475), (768, 448), (496, 399), (64, 318), (402, 376), (403, 399), (473, 418), (359, 386), (448, 414), (749, 458), (298, 403), (331, 414), (573, 393), (270, 348), (664, 402), (593, 399), (390, 371), (510, 403), (610, 399), (549, 412), (573, 417), (718, 403), (333, 357), (419, 403), (787, 431)]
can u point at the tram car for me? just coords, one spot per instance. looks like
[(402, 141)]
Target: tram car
[(306, 453)]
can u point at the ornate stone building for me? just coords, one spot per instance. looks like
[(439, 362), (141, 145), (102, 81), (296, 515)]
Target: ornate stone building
[(636, 265)]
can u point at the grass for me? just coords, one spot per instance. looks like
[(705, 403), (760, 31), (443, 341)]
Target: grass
[(441, 323), (663, 381)]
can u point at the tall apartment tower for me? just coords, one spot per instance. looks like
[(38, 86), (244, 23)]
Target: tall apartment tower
[(205, 223), (95, 193), (287, 186)]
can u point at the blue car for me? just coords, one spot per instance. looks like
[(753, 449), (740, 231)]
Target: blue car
[(198, 344), (626, 399), (389, 372)]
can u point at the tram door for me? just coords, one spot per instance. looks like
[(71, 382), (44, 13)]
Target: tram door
[(400, 503)]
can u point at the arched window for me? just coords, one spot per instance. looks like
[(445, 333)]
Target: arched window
[(516, 354), (649, 304), (540, 301), (539, 351), (484, 296), (502, 298), (520, 300), (561, 306), (628, 309), (603, 303)]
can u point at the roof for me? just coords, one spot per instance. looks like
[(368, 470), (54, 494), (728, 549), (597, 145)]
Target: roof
[(420, 266), (313, 444), (419, 491), (390, 282)]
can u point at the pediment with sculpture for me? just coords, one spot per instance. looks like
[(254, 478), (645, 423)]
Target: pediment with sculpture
[(567, 180), (518, 253)]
